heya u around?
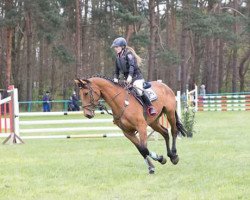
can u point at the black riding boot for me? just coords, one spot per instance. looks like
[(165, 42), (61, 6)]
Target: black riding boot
[(150, 109)]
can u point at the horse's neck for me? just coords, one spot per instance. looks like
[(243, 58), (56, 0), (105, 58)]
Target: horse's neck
[(111, 94)]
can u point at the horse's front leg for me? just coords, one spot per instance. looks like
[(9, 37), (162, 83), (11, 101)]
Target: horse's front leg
[(155, 157), (151, 167), (141, 145)]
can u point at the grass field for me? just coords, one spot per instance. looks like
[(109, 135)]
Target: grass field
[(214, 164)]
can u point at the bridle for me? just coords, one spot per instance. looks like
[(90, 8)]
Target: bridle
[(93, 104)]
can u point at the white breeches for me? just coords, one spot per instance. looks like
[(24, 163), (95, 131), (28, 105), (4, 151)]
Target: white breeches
[(138, 84)]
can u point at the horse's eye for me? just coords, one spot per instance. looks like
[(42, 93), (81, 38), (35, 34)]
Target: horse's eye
[(86, 93)]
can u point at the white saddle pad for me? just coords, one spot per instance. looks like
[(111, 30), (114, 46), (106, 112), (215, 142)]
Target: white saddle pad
[(151, 94)]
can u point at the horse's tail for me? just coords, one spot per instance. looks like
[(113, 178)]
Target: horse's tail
[(180, 126)]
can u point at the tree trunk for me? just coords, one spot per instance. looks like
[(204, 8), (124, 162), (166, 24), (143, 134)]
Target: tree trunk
[(208, 65), (235, 52), (171, 70), (184, 50), (84, 37), (221, 65), (215, 77), (228, 72), (53, 76), (2, 70), (16, 58), (183, 64), (169, 25), (41, 68), (199, 54), (235, 71), (244, 63), (9, 33), (151, 52), (192, 71), (29, 75), (243, 69), (79, 69)]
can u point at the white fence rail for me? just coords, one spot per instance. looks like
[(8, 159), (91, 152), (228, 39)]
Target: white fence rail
[(66, 121)]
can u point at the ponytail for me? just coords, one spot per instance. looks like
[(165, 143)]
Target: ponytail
[(138, 58)]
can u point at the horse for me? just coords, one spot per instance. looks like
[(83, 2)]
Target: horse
[(129, 116)]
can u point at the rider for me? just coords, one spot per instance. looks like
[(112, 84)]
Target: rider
[(127, 62)]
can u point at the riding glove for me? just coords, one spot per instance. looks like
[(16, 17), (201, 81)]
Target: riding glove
[(129, 79)]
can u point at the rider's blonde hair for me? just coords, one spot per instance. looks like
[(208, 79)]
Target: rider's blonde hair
[(138, 58)]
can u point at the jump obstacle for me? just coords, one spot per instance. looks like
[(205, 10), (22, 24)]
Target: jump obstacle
[(224, 103), (212, 102), (16, 131), (10, 116)]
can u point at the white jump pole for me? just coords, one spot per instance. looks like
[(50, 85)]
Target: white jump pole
[(16, 112), (108, 135), (66, 121), (195, 97), (178, 99), (24, 114)]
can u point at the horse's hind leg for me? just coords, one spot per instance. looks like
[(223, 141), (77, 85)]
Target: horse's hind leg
[(141, 145), (164, 132), (173, 156)]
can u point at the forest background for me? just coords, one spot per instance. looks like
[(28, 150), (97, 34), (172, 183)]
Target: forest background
[(46, 44)]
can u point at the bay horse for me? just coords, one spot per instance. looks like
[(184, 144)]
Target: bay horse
[(129, 116)]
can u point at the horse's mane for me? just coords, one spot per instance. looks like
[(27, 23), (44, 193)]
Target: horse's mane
[(121, 84)]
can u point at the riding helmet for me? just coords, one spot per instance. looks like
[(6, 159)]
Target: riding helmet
[(119, 42)]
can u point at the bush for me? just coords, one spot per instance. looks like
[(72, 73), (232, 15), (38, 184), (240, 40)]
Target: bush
[(188, 117)]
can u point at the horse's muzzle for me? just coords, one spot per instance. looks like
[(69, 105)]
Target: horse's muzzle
[(88, 113), (89, 116)]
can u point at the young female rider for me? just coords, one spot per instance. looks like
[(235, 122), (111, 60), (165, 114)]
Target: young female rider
[(127, 62)]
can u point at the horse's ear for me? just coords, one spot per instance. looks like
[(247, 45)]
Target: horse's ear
[(77, 81), (80, 83), (85, 80)]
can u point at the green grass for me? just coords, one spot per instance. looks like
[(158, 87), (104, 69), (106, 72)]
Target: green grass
[(214, 164)]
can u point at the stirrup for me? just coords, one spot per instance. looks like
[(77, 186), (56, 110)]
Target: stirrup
[(151, 111)]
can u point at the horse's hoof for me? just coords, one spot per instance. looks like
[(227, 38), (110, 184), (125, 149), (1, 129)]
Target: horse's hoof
[(162, 160), (151, 171), (175, 159)]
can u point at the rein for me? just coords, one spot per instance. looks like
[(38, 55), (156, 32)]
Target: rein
[(126, 103)]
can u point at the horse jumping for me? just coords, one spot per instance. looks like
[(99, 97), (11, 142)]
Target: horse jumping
[(129, 116)]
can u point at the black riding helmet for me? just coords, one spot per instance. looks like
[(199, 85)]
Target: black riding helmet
[(119, 42)]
